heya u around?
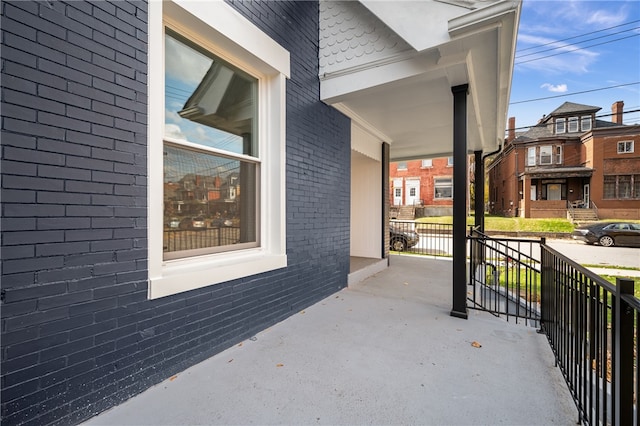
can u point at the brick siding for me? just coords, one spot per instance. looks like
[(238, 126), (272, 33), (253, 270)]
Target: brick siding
[(78, 333)]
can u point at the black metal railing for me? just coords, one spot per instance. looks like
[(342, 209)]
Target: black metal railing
[(592, 327), (504, 275), (421, 238), (190, 239)]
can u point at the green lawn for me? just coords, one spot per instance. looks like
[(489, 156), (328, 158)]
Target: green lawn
[(499, 223)]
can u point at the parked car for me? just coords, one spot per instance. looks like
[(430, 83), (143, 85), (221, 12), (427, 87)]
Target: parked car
[(400, 239), (174, 222), (195, 223), (609, 234)]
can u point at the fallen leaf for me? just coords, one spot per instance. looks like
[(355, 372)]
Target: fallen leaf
[(406, 283), (302, 312), (231, 360), (476, 344), (279, 365), (172, 378)]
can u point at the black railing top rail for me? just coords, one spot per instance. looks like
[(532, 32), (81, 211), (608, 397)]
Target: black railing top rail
[(633, 301), (611, 288), (501, 246)]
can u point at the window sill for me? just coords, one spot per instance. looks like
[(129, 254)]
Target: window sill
[(178, 276)]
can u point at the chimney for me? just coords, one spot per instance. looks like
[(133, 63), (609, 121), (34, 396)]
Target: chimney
[(616, 110), (512, 129)]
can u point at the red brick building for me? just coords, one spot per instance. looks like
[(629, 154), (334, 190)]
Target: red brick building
[(569, 160), (425, 183)]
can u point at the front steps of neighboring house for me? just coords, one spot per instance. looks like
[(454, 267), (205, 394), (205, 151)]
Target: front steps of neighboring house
[(402, 212), (582, 215)]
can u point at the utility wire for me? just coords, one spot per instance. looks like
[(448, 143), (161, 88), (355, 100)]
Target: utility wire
[(583, 41), (574, 93), (580, 35), (575, 50)]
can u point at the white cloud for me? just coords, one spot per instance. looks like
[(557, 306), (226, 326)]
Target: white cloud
[(173, 131), (558, 88), (183, 63)]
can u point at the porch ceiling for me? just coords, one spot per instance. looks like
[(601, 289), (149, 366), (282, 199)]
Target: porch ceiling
[(405, 98), (559, 172)]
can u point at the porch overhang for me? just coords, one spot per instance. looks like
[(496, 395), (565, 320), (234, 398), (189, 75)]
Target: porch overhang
[(562, 172), (390, 67)]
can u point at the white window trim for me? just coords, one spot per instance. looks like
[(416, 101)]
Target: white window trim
[(218, 26), (585, 119), (564, 125), (429, 163), (573, 125), (531, 156), (624, 151)]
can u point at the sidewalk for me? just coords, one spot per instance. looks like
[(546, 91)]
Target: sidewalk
[(384, 352)]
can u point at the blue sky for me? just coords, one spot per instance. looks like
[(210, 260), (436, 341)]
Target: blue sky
[(570, 46)]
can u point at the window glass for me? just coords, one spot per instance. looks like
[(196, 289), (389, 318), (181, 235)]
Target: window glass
[(625, 147), (624, 186), (531, 156), (560, 125), (585, 123), (609, 187), (558, 150), (443, 187), (402, 165), (210, 193), (449, 161), (427, 163), (636, 186), (573, 124), (545, 154)]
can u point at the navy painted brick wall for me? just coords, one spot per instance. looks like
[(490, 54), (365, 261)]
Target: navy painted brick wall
[(78, 333)]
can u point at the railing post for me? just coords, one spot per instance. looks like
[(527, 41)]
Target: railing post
[(623, 354)]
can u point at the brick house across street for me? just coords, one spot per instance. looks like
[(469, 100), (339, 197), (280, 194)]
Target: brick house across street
[(571, 164), (180, 175), (425, 185)]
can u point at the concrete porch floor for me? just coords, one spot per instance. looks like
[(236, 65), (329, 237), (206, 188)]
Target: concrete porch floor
[(383, 351)]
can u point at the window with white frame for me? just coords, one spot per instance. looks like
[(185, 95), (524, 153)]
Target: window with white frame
[(625, 147), (443, 187), (531, 156), (216, 163), (573, 125), (558, 154), (546, 155), (585, 123), (427, 163), (560, 125), (402, 165), (450, 161)]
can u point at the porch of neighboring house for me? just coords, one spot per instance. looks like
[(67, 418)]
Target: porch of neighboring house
[(383, 351)]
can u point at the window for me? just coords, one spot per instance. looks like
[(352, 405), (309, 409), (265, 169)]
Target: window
[(412, 192), (558, 154), (585, 123), (573, 124), (625, 147), (427, 163), (621, 187), (449, 161), (398, 192), (560, 125), (211, 155), (546, 153), (443, 187), (402, 165), (531, 156), (216, 163)]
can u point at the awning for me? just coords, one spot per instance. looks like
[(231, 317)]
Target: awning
[(558, 172)]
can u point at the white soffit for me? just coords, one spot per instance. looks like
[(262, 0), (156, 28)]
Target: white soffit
[(423, 24)]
